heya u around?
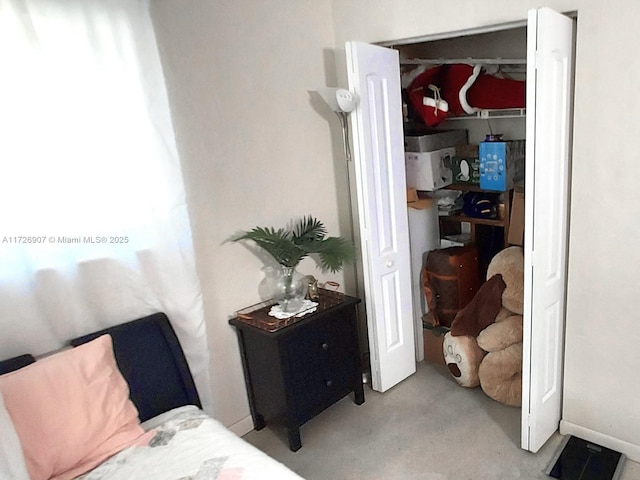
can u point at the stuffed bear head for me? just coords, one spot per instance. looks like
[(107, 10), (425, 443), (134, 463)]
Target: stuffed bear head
[(463, 356)]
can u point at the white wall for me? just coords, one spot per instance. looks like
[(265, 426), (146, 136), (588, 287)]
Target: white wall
[(255, 149), (603, 331)]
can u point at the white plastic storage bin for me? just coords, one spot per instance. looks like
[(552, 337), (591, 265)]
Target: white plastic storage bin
[(430, 140)]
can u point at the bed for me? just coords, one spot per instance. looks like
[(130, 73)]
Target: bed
[(120, 403)]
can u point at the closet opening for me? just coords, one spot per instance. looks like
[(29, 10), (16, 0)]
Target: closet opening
[(398, 141), (460, 226)]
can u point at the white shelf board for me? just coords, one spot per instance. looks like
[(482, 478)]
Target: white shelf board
[(489, 114)]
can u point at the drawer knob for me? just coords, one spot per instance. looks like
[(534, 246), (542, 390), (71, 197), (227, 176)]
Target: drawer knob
[(325, 346), (329, 383)]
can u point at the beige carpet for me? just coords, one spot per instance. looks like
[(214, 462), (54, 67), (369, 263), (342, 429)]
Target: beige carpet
[(427, 428)]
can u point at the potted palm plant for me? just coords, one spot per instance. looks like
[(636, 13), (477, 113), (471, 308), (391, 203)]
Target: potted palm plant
[(306, 237)]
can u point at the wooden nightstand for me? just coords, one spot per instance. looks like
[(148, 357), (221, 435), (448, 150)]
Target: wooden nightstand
[(295, 370)]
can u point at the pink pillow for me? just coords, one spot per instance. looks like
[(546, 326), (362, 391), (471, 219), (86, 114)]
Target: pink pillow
[(71, 410)]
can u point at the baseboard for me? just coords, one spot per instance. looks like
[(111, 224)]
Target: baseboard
[(242, 427), (631, 450)]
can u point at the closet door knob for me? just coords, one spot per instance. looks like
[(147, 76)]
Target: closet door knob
[(329, 383), (325, 346), (389, 263)]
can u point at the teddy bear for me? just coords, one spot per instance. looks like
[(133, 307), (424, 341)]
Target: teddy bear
[(484, 346)]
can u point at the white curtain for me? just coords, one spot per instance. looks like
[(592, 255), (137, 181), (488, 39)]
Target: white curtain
[(94, 228)]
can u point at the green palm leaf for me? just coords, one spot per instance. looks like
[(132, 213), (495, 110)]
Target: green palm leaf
[(307, 237), (308, 231), (334, 253)]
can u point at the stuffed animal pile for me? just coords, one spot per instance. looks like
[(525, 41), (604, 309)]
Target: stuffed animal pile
[(484, 345)]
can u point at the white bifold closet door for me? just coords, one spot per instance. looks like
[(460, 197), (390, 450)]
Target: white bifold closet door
[(378, 152), (373, 74), (549, 94)]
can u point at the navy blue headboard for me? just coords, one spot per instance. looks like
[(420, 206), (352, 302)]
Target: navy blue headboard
[(15, 363), (153, 364)]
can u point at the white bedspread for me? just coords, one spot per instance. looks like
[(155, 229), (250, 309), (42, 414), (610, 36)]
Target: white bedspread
[(189, 445)]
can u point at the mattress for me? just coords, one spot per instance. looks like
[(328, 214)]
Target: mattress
[(190, 445)]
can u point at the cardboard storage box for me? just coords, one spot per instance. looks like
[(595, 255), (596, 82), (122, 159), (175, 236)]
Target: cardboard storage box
[(430, 140), (516, 222), (433, 340), (465, 165), (501, 164), (429, 171)]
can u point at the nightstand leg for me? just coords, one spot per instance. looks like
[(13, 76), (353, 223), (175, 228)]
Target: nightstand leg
[(294, 438), (258, 421), (358, 393)]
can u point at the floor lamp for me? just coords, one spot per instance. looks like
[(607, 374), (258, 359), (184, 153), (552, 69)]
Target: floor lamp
[(343, 102)]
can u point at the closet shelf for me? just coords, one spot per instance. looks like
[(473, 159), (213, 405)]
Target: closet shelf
[(489, 114), (468, 60)]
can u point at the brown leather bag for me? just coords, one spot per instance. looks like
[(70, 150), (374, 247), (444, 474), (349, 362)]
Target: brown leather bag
[(450, 279)]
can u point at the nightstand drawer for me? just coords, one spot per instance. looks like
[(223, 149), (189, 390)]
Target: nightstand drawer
[(321, 388), (321, 346)]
